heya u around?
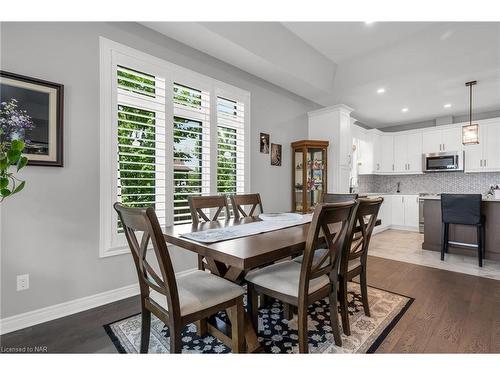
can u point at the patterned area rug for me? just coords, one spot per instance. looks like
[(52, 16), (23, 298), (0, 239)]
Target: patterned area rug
[(278, 335)]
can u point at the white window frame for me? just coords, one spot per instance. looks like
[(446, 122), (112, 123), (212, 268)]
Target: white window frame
[(112, 53)]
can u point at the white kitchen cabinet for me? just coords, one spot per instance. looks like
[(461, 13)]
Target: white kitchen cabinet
[(408, 153), (485, 156), (431, 141), (451, 139), (414, 153), (442, 140), (364, 157), (404, 209), (492, 148), (375, 138), (400, 153), (398, 210), (386, 156), (384, 213), (411, 211)]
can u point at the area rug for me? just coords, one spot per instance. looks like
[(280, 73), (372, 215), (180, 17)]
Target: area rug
[(278, 335)]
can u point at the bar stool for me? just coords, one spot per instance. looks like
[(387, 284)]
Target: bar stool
[(463, 209)]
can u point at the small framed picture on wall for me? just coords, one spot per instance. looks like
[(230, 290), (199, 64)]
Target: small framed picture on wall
[(276, 154), (41, 104), (264, 143)]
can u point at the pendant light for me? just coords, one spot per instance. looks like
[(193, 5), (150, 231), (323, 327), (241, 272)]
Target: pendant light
[(470, 133)]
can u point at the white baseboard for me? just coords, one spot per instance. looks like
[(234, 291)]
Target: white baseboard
[(402, 227), (45, 314), (377, 230)]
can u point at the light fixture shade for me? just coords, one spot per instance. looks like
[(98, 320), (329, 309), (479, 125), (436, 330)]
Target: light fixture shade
[(470, 134)]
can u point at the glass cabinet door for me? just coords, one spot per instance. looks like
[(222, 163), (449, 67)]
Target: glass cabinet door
[(298, 180), (309, 174), (315, 176)]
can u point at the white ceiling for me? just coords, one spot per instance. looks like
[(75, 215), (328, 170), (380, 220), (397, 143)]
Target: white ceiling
[(421, 65)]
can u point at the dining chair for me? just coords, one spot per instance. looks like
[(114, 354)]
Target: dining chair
[(197, 205), (302, 284), (337, 197), (354, 257), (175, 300), (238, 201)]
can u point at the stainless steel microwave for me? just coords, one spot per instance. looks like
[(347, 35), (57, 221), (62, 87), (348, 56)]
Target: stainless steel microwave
[(443, 162)]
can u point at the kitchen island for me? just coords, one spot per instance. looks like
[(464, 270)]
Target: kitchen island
[(490, 208)]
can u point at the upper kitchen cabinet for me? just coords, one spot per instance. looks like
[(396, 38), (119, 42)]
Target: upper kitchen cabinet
[(442, 140), (385, 154), (365, 142), (408, 153), (485, 156)]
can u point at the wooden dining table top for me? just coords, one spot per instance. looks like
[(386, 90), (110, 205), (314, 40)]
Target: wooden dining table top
[(244, 252)]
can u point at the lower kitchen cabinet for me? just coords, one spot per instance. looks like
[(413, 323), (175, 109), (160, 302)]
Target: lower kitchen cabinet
[(397, 211), (385, 214), (404, 209)]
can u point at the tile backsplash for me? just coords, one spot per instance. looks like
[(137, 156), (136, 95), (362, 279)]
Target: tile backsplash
[(444, 182)]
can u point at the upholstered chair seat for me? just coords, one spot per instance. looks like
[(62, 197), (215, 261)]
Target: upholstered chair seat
[(284, 278), (200, 290), (320, 252)]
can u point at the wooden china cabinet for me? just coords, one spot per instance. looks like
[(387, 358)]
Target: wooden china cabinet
[(309, 166)]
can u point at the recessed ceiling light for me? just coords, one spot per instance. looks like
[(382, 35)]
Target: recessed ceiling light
[(448, 105), (404, 109), (380, 90), (367, 23)]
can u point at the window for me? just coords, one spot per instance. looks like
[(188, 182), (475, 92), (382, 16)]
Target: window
[(230, 146), (167, 133), (140, 140), (191, 159)]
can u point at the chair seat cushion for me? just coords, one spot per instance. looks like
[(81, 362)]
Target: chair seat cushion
[(320, 252), (200, 290), (353, 263), (284, 278)]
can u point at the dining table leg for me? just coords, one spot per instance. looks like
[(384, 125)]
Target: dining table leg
[(234, 274)]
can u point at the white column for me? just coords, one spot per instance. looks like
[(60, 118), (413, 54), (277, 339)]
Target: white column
[(333, 124)]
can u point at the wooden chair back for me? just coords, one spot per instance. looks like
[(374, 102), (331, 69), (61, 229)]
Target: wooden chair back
[(332, 223), (198, 204), (337, 197), (238, 202), (144, 220), (357, 246)]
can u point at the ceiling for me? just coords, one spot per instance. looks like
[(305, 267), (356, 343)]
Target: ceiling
[(421, 65)]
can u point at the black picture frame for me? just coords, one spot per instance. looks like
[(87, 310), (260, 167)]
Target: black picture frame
[(54, 122), (264, 143), (276, 154)]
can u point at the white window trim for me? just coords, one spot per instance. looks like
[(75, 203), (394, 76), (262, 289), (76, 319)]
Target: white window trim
[(109, 246)]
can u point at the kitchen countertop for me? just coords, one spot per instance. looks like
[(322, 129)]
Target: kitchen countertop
[(437, 197), (425, 197), (372, 194)]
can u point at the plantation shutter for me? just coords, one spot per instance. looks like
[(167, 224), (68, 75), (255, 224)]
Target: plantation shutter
[(191, 159), (230, 146), (141, 141)]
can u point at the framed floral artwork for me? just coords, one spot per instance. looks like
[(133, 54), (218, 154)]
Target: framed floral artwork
[(42, 103)]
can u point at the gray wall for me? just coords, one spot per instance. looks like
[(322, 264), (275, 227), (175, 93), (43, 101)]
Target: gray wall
[(51, 229), (444, 182)]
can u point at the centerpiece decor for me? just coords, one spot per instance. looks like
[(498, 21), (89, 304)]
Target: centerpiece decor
[(14, 126)]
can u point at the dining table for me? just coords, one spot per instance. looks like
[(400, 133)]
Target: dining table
[(233, 258)]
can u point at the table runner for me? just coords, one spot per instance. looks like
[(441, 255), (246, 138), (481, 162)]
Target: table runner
[(243, 230)]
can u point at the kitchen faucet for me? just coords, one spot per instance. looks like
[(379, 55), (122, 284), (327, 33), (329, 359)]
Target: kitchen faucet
[(398, 189)]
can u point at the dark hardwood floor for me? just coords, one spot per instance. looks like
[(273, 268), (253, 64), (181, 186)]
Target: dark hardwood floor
[(452, 313)]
